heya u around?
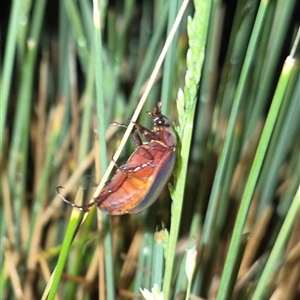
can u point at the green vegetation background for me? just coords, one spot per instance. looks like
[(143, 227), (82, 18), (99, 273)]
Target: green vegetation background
[(230, 83)]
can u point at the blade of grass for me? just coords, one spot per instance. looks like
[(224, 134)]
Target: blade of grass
[(74, 223), (142, 278), (226, 278), (129, 6), (78, 32), (168, 68), (213, 206), (85, 130), (285, 132), (158, 259), (284, 11), (104, 227), (197, 32), (8, 63), (208, 82), (212, 209), (149, 59), (19, 147), (63, 52)]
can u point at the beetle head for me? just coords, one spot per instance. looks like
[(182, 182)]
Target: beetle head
[(162, 126), (158, 119)]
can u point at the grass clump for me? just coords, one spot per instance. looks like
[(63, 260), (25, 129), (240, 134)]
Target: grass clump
[(230, 82)]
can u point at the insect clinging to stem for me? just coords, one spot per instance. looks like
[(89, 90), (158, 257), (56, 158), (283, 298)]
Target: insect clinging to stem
[(138, 183)]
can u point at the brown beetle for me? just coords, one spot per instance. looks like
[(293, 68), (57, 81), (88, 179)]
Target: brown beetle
[(137, 184)]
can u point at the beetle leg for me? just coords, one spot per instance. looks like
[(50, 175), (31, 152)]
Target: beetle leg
[(134, 169), (97, 200), (136, 138), (149, 163), (119, 168), (148, 134), (84, 208), (125, 169)]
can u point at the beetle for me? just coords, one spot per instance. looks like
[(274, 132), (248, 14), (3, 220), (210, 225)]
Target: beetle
[(137, 184)]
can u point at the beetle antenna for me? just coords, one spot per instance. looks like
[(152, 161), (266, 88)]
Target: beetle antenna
[(118, 124), (84, 208)]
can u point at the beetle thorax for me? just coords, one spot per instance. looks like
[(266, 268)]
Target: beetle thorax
[(167, 136)]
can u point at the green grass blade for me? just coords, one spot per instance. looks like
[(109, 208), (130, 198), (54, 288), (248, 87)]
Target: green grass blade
[(73, 226), (109, 265), (283, 14), (6, 74), (252, 180), (169, 65), (78, 32), (209, 221), (149, 59), (197, 30), (19, 149), (158, 259)]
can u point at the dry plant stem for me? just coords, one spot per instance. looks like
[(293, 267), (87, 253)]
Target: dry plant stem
[(125, 294), (12, 270), (143, 98), (32, 256), (42, 261), (41, 121), (74, 102), (134, 263), (61, 155), (295, 235), (247, 275), (287, 289), (257, 234), (250, 221), (130, 260), (25, 220), (294, 255)]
